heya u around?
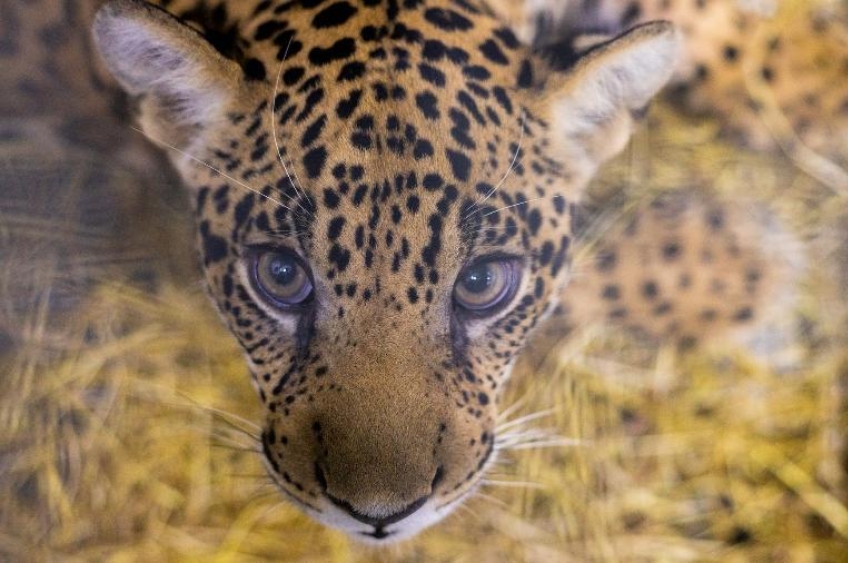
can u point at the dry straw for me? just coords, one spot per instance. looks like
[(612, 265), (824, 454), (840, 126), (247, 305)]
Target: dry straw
[(136, 439)]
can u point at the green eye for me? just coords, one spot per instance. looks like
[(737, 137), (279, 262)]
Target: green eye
[(485, 284), (280, 277)]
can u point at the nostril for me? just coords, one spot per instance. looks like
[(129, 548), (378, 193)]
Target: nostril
[(437, 478), (320, 478)]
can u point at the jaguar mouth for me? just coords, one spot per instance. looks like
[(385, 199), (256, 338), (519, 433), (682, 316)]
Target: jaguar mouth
[(379, 533)]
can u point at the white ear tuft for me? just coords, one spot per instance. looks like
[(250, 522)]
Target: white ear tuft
[(593, 104), (152, 53)]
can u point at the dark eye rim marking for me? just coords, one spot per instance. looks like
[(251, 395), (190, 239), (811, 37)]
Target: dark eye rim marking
[(512, 271), (302, 299)]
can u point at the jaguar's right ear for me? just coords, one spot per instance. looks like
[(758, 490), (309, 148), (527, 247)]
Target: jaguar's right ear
[(592, 107), (185, 84)]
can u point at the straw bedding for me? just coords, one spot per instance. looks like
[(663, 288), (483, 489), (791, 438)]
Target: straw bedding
[(127, 421)]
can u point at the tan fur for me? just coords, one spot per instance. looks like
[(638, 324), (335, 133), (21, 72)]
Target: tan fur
[(687, 269), (392, 412), (396, 414)]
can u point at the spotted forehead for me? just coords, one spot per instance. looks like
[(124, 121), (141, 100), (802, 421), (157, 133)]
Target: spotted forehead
[(389, 81), (401, 130)]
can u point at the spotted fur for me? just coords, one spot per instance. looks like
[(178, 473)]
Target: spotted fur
[(387, 146), (391, 144), (689, 270), (772, 72)]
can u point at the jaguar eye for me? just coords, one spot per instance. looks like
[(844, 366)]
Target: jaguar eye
[(485, 284), (280, 276)]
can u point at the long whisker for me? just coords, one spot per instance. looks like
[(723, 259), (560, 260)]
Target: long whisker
[(227, 437), (507, 412), (516, 484), (294, 181), (502, 461), (514, 159), (235, 434), (521, 420), (212, 168), (466, 510), (260, 496), (254, 477), (520, 434), (513, 434), (468, 226), (539, 437), (519, 204), (552, 443), (218, 443), (229, 419), (235, 439), (475, 207), (490, 498), (297, 180)]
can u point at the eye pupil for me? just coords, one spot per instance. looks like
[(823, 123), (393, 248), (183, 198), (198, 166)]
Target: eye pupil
[(479, 279), (282, 270)]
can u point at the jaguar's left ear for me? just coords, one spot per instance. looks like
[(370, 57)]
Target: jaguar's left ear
[(592, 107), (183, 82)]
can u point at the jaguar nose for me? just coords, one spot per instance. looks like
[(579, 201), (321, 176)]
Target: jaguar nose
[(378, 521), (382, 521)]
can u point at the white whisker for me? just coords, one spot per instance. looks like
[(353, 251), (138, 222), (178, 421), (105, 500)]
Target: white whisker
[(519, 204), (502, 461), (229, 419), (522, 420), (504, 414), (519, 435), (513, 434), (255, 477), (536, 444), (212, 168), (516, 484), (514, 159), (223, 437), (465, 509), (295, 181), (219, 443), (476, 205), (490, 498)]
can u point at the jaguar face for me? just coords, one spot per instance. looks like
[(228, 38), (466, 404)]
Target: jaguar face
[(383, 194)]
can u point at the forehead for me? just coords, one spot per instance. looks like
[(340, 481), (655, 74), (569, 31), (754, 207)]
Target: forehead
[(396, 120), (385, 85)]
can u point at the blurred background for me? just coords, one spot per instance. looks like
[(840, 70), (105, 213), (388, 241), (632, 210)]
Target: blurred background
[(128, 424)]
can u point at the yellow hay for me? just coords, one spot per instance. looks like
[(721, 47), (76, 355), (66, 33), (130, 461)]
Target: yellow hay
[(140, 443), (135, 438)]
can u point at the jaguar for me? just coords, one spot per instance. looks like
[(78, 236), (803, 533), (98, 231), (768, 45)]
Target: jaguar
[(388, 197), (385, 195)]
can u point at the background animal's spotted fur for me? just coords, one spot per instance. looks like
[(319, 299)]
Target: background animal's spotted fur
[(768, 70), (685, 269)]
